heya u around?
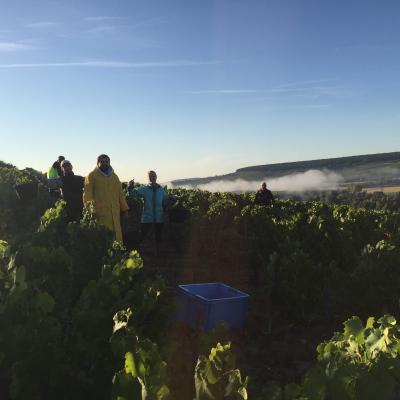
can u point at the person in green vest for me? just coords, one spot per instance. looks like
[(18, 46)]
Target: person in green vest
[(54, 175)]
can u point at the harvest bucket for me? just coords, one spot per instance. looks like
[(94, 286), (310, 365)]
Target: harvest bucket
[(203, 305)]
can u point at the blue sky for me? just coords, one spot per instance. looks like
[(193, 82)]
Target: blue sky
[(197, 88)]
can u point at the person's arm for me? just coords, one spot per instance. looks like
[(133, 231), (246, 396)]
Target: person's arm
[(137, 192), (88, 188), (164, 199)]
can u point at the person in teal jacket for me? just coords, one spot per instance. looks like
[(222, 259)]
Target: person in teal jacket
[(155, 199)]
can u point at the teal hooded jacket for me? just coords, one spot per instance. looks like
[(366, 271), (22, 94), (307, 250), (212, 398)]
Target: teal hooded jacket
[(155, 198)]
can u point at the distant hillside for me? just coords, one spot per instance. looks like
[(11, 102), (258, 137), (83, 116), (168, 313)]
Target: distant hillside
[(370, 169)]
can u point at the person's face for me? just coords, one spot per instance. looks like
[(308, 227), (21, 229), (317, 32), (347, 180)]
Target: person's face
[(264, 186), (67, 168), (152, 177), (104, 163)]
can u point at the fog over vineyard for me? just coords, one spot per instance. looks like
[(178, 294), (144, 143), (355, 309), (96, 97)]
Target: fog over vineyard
[(309, 180)]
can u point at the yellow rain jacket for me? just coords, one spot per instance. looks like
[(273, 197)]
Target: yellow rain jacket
[(108, 198)]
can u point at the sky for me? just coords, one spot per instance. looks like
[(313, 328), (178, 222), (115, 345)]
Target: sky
[(197, 88)]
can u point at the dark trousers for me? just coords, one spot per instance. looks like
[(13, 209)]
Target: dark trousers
[(158, 227)]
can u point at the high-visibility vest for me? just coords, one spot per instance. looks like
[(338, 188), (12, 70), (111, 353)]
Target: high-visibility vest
[(52, 173)]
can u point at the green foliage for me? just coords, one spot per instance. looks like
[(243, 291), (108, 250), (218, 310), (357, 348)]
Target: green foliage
[(216, 376), (308, 265), (144, 374), (361, 363), (19, 218), (58, 295)]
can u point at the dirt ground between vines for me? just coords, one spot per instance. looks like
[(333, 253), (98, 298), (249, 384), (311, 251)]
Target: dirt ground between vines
[(267, 349)]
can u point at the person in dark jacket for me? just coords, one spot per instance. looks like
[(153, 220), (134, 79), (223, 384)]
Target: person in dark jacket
[(264, 196), (72, 191)]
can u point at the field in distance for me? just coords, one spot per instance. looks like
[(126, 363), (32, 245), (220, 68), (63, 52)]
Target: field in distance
[(386, 189)]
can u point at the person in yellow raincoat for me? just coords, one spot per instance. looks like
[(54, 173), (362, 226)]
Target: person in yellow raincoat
[(103, 187)]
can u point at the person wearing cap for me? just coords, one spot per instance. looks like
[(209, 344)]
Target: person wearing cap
[(155, 199), (54, 178), (264, 196), (104, 189), (72, 191)]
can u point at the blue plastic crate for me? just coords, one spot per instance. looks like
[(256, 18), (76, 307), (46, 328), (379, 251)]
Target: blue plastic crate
[(202, 305)]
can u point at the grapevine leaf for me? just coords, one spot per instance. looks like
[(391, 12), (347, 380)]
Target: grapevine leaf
[(376, 385), (121, 319), (342, 386), (130, 364), (126, 387), (235, 388), (387, 321), (370, 323), (314, 385), (211, 373), (291, 391), (376, 342), (3, 248), (354, 327), (45, 302)]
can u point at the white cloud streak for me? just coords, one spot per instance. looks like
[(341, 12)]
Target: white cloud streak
[(139, 24), (112, 64), (100, 29), (223, 91), (42, 25), (314, 106), (102, 18), (6, 47), (315, 89), (303, 83)]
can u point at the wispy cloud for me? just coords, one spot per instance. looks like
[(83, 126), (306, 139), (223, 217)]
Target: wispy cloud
[(109, 30), (113, 64), (151, 22), (366, 47), (42, 25), (100, 29), (223, 91), (309, 89), (302, 84), (6, 47), (315, 89), (138, 24), (314, 106), (102, 18)]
